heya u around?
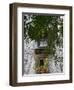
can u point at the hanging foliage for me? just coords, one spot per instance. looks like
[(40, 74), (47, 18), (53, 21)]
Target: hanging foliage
[(49, 28)]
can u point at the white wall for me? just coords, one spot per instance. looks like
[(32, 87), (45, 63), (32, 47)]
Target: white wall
[(4, 46)]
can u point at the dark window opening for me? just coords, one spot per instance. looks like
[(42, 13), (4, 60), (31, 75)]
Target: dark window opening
[(41, 62)]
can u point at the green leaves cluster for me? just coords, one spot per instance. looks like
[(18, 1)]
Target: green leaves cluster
[(39, 27)]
